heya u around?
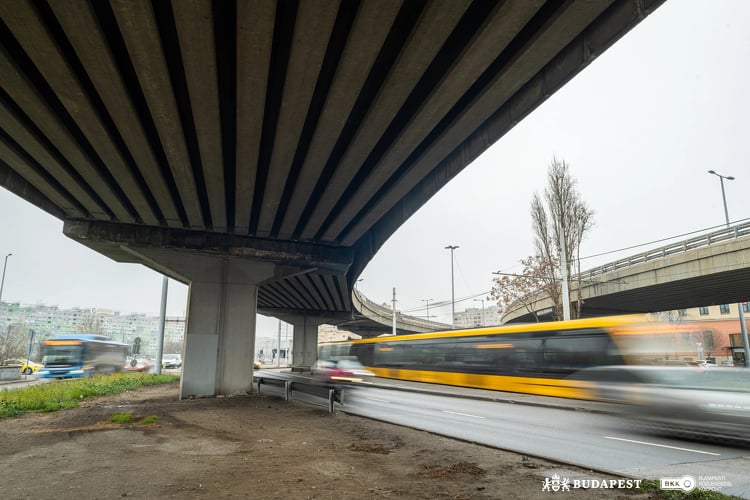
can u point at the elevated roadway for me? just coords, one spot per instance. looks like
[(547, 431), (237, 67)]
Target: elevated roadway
[(371, 320), (701, 271), (263, 151)]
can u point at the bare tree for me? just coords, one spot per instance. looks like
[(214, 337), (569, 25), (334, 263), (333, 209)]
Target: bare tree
[(561, 209), (526, 289)]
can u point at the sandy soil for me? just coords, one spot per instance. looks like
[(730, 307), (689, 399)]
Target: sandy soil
[(255, 447)]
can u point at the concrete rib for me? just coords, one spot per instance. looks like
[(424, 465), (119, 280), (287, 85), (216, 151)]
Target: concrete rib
[(138, 26), (196, 33), (255, 23), (88, 39), (311, 34)]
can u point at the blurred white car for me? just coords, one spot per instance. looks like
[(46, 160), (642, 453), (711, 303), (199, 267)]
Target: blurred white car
[(171, 361), (344, 370)]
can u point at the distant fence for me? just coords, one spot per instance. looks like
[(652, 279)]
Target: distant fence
[(729, 233)]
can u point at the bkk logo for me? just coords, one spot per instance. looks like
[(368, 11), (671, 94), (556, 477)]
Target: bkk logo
[(684, 483), (689, 483)]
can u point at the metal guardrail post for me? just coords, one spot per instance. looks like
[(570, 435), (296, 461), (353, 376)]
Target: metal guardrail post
[(331, 397), (260, 381), (287, 389)]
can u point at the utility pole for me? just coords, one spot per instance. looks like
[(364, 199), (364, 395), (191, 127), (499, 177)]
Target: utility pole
[(428, 307), (278, 347), (2, 282), (564, 271), (394, 311), (162, 321), (453, 289), (481, 321)]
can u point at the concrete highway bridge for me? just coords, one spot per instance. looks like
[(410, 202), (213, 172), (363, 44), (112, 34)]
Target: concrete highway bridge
[(700, 271), (263, 151)]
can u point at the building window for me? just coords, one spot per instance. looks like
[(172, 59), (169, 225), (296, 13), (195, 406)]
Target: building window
[(745, 307), (704, 311), (724, 309), (682, 312)]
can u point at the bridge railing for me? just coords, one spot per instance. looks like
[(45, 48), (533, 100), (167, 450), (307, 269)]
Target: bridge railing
[(728, 233), (384, 315)]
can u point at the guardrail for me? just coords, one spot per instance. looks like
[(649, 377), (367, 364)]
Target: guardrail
[(385, 315), (729, 233), (332, 395)]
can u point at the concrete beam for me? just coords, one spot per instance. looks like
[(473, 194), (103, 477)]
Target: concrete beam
[(112, 238)]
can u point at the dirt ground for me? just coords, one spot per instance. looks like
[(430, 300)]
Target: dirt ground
[(256, 447)]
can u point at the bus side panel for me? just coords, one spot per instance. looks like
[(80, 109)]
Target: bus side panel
[(561, 388)]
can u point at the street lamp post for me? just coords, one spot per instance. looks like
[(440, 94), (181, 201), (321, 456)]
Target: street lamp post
[(453, 293), (481, 321), (743, 326), (723, 195), (2, 282)]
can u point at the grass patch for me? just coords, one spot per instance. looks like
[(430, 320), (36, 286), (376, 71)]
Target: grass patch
[(153, 419), (121, 418), (59, 395)]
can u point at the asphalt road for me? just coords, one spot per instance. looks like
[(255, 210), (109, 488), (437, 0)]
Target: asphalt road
[(587, 434)]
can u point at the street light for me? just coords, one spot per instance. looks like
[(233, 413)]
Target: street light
[(453, 294), (723, 195), (428, 307), (481, 321), (2, 282), (743, 326)]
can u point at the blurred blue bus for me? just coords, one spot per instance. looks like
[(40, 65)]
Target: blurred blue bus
[(81, 355)]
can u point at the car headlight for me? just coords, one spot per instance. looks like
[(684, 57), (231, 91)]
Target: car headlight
[(77, 372)]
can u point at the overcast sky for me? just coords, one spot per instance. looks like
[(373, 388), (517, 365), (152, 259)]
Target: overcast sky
[(639, 128)]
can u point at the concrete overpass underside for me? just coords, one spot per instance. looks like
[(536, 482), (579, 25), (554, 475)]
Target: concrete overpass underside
[(263, 151)]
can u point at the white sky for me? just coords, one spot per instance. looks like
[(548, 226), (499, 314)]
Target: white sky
[(639, 128)]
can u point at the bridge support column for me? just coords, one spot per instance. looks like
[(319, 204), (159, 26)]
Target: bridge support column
[(220, 323), (305, 342), (220, 328)]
